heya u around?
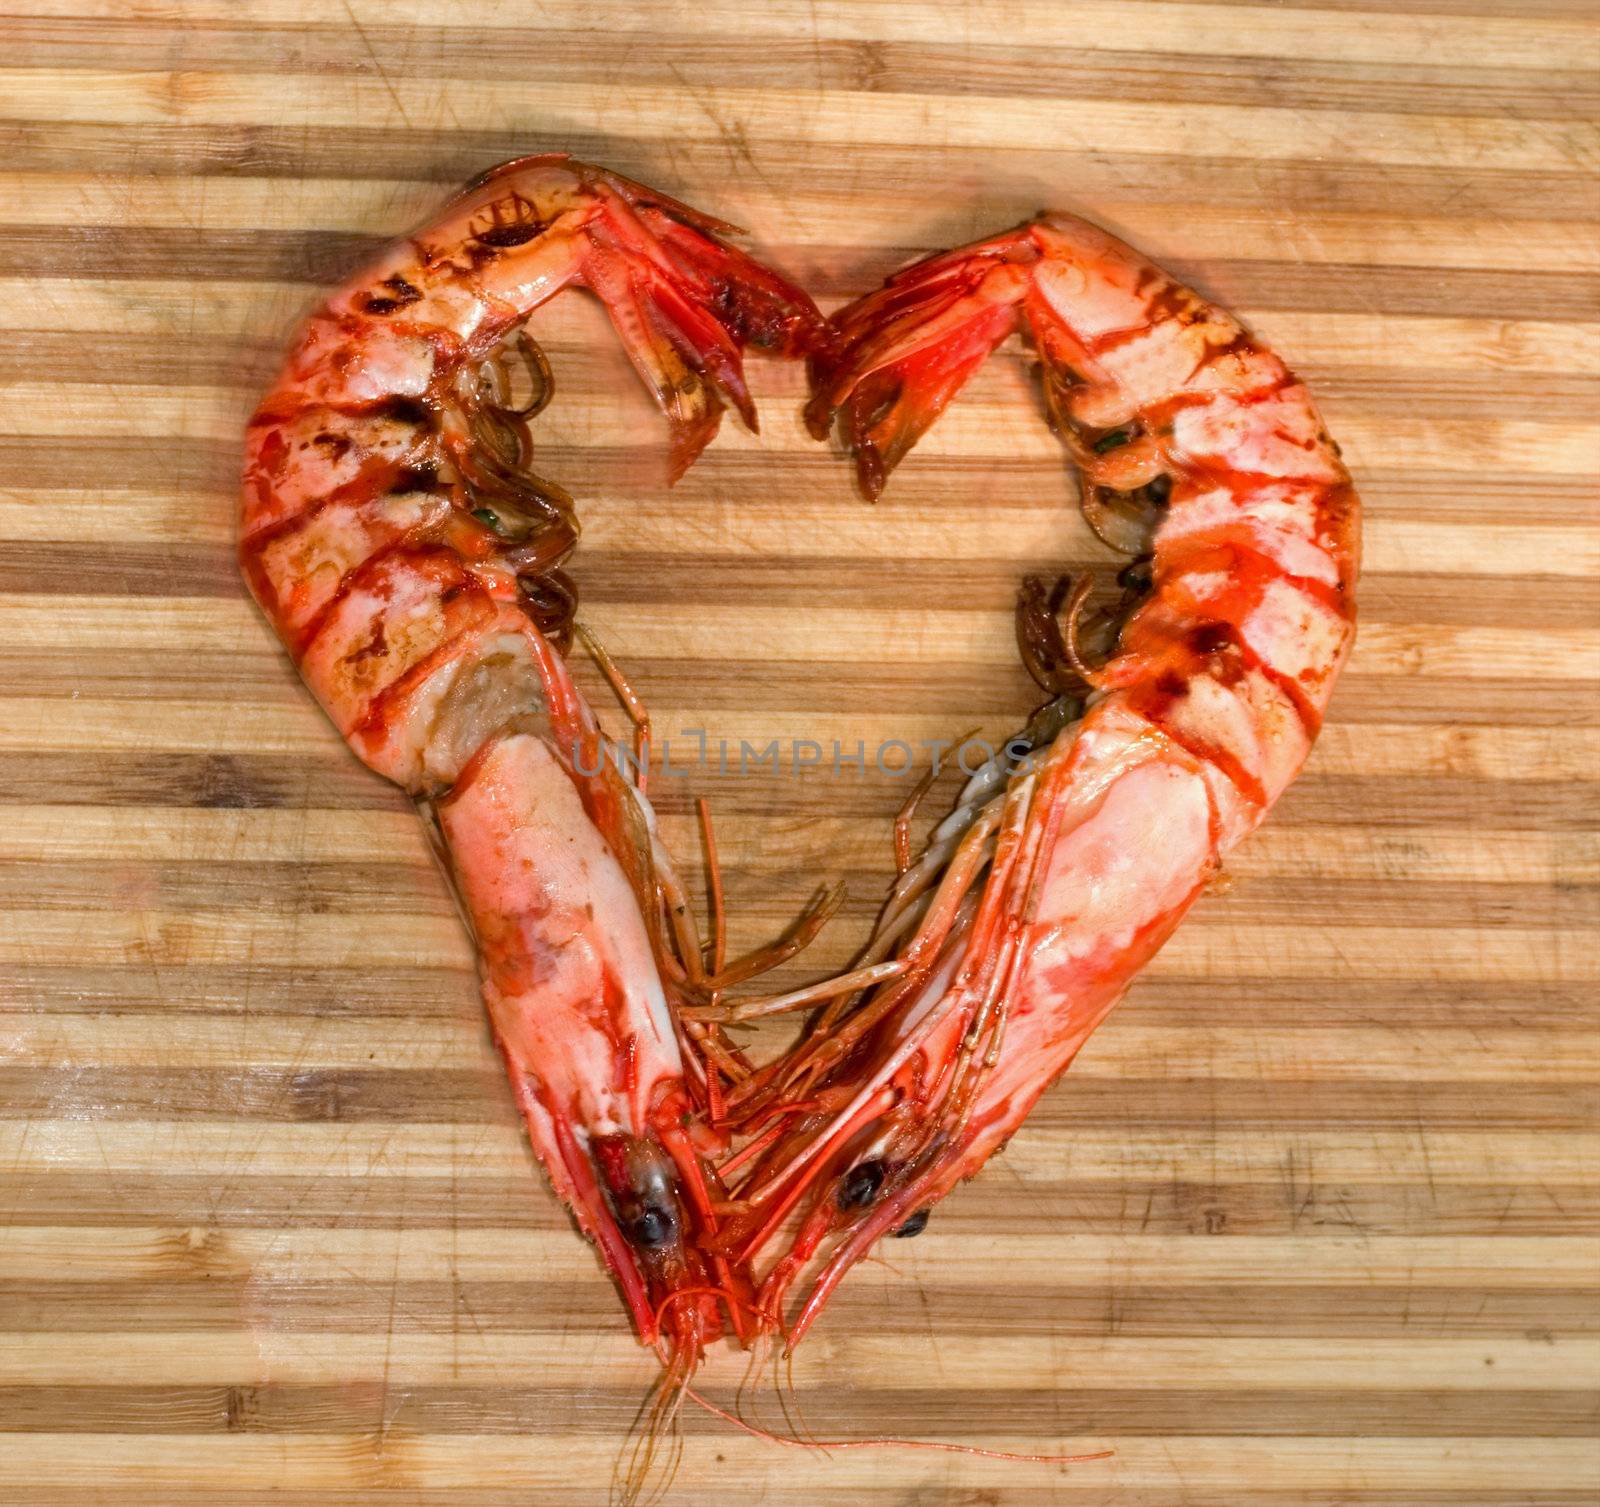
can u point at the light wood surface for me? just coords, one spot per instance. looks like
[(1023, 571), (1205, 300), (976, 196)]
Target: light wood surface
[(1314, 1220)]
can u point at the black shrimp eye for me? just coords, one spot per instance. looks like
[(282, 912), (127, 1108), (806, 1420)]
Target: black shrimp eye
[(861, 1185), (653, 1229), (913, 1226)]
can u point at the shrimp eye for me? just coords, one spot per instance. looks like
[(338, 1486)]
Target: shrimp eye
[(639, 1186), (913, 1226), (653, 1229), (861, 1184)]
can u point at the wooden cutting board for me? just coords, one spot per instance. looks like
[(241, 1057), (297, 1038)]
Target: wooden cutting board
[(1315, 1218)]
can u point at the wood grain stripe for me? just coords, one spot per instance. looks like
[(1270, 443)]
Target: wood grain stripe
[(822, 118), (815, 222), (1111, 25)]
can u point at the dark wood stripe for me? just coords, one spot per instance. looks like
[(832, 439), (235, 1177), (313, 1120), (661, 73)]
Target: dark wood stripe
[(42, 463), (450, 157), (222, 359), (208, 675), (353, 889), (1131, 1204), (1445, 394), (212, 780), (338, 782), (381, 994), (201, 1301), (957, 692), (274, 886), (376, 993), (328, 257), (81, 568), (1340, 288), (400, 1097), (949, 1411), (211, 469)]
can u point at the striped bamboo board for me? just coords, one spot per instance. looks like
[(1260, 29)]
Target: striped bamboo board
[(1315, 1217)]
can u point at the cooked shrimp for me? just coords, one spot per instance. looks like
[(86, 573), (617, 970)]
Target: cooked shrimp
[(396, 539), (1053, 882)]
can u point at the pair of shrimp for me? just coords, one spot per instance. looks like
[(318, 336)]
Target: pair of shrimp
[(398, 540)]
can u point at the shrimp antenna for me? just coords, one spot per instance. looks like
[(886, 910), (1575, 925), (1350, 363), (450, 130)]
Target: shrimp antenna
[(944, 1446)]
